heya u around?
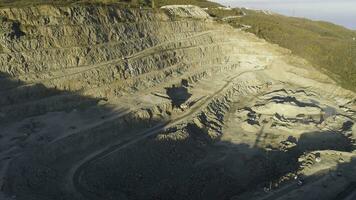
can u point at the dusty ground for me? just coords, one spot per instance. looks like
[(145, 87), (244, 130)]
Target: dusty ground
[(87, 111)]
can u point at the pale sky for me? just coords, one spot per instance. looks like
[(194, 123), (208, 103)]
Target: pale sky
[(341, 12)]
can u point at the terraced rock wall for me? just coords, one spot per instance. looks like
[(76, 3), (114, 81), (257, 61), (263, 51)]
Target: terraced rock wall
[(98, 52), (66, 60)]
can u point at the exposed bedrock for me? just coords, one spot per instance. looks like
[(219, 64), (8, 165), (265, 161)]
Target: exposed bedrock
[(102, 102)]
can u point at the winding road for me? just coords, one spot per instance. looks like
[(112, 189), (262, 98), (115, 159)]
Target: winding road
[(76, 173)]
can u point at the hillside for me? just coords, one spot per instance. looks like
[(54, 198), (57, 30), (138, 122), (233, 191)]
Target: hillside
[(105, 101), (329, 47)]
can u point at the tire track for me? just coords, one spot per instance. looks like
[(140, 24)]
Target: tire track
[(114, 61), (76, 172)]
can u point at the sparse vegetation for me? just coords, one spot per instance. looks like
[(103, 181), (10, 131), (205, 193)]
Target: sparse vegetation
[(221, 13), (328, 46)]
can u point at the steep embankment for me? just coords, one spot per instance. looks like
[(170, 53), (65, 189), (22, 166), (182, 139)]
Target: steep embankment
[(102, 102), (330, 47)]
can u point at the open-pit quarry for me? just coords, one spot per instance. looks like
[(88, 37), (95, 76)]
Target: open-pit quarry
[(103, 102)]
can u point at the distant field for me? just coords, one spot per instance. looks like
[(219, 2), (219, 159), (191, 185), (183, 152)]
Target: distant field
[(328, 46)]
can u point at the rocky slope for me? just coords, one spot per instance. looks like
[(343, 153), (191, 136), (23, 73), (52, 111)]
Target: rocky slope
[(102, 102)]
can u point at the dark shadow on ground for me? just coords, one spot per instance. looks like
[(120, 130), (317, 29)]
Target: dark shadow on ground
[(189, 165), (19, 100), (179, 94), (348, 171), (39, 170), (177, 164), (326, 140)]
